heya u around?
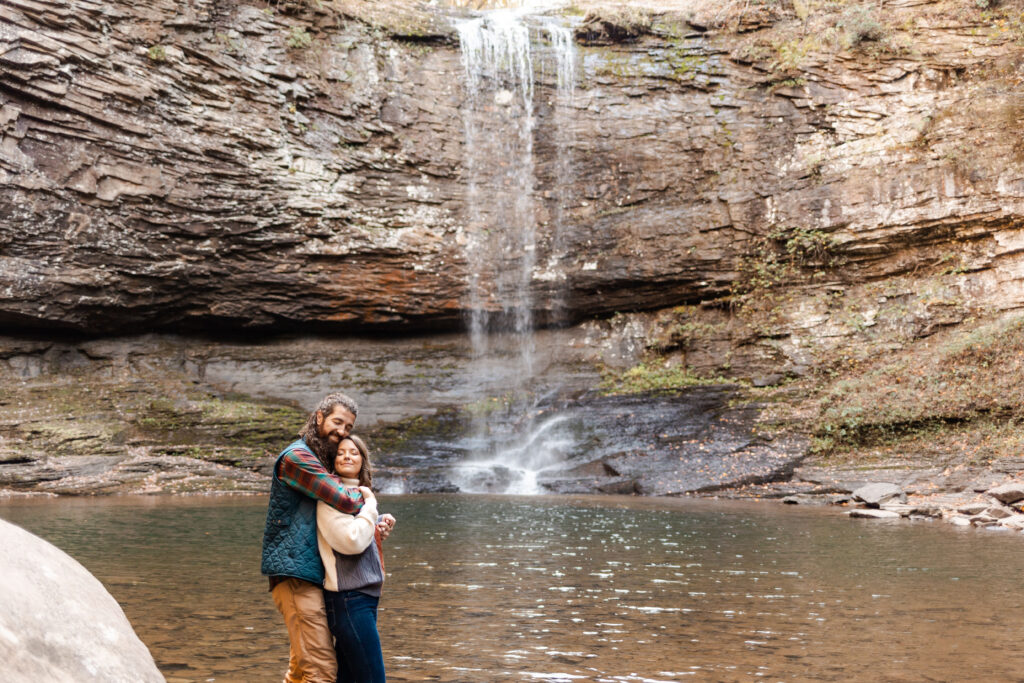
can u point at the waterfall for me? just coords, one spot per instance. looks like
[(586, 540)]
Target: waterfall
[(501, 51), (564, 48), (498, 119)]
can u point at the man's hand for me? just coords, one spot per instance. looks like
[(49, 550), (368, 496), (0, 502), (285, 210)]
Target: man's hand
[(385, 525)]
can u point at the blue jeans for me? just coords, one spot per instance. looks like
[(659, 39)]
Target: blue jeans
[(352, 618)]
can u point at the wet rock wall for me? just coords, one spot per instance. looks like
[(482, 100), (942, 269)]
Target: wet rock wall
[(228, 165)]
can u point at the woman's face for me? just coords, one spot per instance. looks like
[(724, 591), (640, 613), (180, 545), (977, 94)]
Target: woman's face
[(348, 462)]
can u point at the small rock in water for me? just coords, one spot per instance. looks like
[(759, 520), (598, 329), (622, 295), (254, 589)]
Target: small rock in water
[(972, 508), (619, 486), (874, 495), (926, 510), (998, 512), (1007, 493), (805, 499), (837, 499), (901, 509), (1015, 522), (869, 513), (959, 520)]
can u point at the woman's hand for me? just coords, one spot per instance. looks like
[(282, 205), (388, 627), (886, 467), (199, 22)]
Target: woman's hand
[(367, 494), (385, 525)]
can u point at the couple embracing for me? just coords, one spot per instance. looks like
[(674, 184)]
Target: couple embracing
[(322, 550)]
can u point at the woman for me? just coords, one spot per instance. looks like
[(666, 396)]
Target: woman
[(350, 547)]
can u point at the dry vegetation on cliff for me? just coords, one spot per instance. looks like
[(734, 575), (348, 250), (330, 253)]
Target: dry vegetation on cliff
[(907, 347), (889, 388), (791, 35), (960, 383)]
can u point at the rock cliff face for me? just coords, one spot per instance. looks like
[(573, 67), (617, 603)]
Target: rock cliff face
[(826, 192), (227, 164)]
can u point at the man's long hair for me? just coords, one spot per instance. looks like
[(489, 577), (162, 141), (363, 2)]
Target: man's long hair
[(310, 432)]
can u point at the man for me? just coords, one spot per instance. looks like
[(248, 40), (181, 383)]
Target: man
[(290, 555)]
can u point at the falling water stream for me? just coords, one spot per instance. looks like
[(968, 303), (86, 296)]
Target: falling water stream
[(501, 52)]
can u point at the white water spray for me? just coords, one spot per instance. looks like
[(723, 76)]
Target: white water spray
[(498, 55)]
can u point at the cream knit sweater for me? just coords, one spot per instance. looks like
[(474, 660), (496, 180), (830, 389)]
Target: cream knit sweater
[(348, 534)]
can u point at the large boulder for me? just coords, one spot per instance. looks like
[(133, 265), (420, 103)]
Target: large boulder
[(58, 623), (1008, 493), (874, 495)]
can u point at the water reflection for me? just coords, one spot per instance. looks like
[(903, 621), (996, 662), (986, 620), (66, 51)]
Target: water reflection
[(608, 589)]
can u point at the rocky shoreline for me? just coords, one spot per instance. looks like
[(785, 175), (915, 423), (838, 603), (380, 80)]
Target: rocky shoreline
[(990, 497), (985, 497)]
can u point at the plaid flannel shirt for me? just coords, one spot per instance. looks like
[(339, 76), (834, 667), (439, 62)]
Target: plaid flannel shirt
[(303, 471)]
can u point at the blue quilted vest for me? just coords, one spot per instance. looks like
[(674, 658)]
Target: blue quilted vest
[(289, 539)]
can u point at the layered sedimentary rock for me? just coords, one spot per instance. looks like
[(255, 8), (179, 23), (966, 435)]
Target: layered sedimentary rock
[(821, 197), (231, 164)]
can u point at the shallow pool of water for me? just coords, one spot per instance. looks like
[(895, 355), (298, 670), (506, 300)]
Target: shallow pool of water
[(589, 589)]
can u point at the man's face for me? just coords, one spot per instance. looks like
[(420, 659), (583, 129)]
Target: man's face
[(336, 425)]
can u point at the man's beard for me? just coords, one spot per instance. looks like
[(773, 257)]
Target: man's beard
[(321, 446)]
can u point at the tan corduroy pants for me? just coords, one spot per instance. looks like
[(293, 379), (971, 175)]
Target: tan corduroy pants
[(312, 658)]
